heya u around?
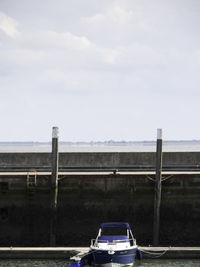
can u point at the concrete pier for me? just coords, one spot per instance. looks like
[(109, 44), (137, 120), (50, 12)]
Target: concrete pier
[(67, 252), (97, 159)]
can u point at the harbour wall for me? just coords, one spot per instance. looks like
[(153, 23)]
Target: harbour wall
[(98, 159), (84, 201)]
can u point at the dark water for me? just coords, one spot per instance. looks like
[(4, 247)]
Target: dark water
[(63, 263)]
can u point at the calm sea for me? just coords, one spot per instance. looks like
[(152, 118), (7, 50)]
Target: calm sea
[(61, 263), (102, 147)]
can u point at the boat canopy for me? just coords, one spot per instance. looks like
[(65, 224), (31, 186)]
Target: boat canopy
[(115, 224)]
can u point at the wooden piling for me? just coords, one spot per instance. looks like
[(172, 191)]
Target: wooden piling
[(158, 183), (54, 186)]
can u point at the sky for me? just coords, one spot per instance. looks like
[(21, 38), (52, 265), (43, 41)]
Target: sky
[(99, 70)]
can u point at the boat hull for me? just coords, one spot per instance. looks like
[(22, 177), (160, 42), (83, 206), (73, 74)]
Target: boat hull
[(118, 258)]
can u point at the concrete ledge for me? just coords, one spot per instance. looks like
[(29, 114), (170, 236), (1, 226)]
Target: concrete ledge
[(67, 252), (39, 252)]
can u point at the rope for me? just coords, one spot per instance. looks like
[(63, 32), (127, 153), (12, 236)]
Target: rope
[(154, 254), (80, 255)]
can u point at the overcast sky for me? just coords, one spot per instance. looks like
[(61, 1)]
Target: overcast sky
[(99, 69)]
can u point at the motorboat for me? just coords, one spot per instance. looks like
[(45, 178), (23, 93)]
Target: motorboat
[(114, 245)]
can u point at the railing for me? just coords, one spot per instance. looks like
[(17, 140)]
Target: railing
[(95, 242), (172, 167)]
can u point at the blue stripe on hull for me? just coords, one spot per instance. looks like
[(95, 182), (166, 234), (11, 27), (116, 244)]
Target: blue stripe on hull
[(121, 257)]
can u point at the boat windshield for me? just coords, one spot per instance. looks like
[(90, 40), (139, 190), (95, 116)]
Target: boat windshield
[(114, 231)]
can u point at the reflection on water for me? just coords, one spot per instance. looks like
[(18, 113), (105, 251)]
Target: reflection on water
[(63, 263)]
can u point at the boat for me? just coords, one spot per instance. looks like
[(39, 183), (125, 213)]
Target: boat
[(114, 245)]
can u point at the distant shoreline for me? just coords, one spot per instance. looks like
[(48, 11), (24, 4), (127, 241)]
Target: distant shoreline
[(106, 143), (107, 146)]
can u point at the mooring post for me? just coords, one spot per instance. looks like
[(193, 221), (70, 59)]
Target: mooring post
[(54, 186), (158, 183)]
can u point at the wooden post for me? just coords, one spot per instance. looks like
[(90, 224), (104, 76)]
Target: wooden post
[(158, 183), (54, 186)]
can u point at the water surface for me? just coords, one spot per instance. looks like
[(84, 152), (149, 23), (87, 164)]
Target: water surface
[(63, 263)]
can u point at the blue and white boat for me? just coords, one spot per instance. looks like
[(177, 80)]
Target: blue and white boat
[(115, 248)]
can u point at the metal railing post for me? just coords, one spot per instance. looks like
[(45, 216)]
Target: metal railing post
[(54, 186), (158, 183)]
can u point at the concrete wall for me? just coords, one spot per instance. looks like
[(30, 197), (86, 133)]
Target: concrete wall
[(84, 202), (98, 159)]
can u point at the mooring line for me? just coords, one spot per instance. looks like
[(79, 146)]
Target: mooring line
[(154, 254)]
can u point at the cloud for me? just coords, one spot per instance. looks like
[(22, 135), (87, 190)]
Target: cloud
[(98, 18), (114, 14), (111, 61), (119, 14), (8, 25), (66, 40)]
